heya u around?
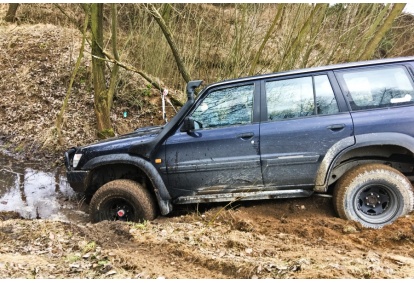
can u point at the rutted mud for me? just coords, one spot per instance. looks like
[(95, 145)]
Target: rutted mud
[(292, 238)]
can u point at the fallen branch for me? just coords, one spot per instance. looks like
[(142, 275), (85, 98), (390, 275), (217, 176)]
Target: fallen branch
[(141, 73)]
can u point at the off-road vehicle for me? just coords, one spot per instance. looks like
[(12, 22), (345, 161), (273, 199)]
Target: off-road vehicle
[(343, 130)]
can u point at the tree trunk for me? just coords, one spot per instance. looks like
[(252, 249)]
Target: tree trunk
[(292, 52), (269, 32), (373, 43), (101, 104), (11, 12), (167, 33), (317, 24), (115, 69), (295, 10)]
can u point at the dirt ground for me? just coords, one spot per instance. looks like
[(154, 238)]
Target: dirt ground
[(299, 238), (296, 238)]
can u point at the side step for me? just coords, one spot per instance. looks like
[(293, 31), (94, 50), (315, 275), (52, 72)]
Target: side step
[(298, 193)]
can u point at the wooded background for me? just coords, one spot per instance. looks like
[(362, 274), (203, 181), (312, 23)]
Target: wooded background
[(170, 44)]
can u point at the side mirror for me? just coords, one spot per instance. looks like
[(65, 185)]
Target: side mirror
[(188, 125)]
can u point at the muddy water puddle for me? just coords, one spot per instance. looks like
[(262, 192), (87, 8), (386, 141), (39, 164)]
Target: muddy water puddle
[(35, 193)]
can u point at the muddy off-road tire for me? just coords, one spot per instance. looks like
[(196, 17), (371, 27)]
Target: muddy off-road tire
[(123, 200), (374, 195)]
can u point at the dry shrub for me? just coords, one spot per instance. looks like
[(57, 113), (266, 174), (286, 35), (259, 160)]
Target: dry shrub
[(220, 41), (215, 41)]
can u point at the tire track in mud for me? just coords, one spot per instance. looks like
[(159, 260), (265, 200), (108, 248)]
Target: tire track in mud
[(272, 239)]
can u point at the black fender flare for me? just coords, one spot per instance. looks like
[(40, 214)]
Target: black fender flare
[(160, 190), (345, 145)]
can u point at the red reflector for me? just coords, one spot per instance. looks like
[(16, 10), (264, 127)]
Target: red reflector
[(121, 213)]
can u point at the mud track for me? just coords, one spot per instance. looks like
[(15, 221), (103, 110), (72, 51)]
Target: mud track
[(299, 238)]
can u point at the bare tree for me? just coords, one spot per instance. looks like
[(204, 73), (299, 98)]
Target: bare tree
[(294, 50), (168, 36), (11, 12), (59, 118), (375, 40), (114, 39), (103, 96), (266, 38)]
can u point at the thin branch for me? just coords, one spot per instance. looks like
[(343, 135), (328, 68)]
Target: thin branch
[(59, 118), (168, 36), (128, 67), (269, 32), (114, 72)]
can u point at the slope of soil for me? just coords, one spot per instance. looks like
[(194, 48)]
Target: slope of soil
[(300, 238), (271, 239), (36, 64)]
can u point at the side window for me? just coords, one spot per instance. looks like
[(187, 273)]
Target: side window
[(376, 88), (300, 97), (325, 97), (226, 107)]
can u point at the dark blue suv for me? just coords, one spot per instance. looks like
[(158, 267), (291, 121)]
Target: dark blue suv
[(344, 130)]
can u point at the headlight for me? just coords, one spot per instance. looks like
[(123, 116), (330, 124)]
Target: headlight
[(76, 159)]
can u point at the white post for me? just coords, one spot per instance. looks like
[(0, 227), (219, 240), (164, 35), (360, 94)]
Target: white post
[(163, 95)]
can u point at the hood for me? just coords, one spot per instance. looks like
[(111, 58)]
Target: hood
[(121, 143), (141, 132)]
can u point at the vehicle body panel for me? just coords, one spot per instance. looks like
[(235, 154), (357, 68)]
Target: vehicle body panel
[(214, 159), (293, 149)]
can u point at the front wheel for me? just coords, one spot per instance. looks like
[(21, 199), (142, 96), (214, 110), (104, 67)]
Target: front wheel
[(374, 195), (123, 200)]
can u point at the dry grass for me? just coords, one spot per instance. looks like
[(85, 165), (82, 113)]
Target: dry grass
[(37, 56), (219, 41)]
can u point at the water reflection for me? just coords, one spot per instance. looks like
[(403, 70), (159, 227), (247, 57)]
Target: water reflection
[(34, 193)]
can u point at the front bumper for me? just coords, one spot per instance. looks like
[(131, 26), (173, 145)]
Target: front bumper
[(78, 180)]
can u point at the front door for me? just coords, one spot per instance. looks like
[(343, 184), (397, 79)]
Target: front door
[(222, 155)]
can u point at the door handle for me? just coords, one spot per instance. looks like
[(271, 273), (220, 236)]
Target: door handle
[(246, 136), (336, 127)]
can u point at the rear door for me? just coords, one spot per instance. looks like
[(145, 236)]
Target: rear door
[(223, 154), (301, 119), (381, 98)]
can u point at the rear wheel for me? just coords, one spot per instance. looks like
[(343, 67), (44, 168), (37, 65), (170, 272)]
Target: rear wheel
[(374, 195), (123, 200)]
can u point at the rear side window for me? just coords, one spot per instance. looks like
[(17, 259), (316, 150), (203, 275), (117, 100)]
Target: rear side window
[(300, 97), (378, 88)]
